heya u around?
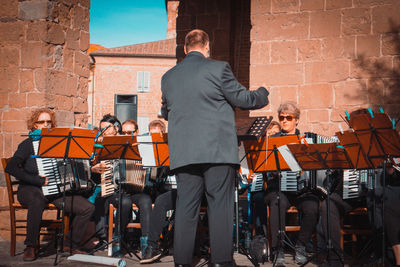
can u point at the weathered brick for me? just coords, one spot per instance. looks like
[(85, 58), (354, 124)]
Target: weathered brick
[(326, 71), (80, 18), (337, 115), (386, 18), (80, 105), (56, 82), (81, 120), (72, 39), (337, 4), (11, 32), (31, 55), (351, 93), (60, 102), (40, 76), (371, 67), (56, 34), (72, 86), (282, 6), (259, 53), (37, 31), (61, 13), (338, 48), (276, 74), (9, 56), (376, 91), (26, 83), (64, 118), (82, 87), (327, 129), (36, 99), (8, 9), (368, 45), (311, 5), (309, 50), (9, 79), (282, 26), (390, 44), (84, 41), (325, 24), (283, 52), (33, 10), (3, 100), (68, 60), (8, 149), (16, 115), (369, 3), (81, 66), (317, 115), (356, 21), (315, 96), (17, 100)]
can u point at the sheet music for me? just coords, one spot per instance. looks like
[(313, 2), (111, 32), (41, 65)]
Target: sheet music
[(288, 157), (243, 160), (146, 150)]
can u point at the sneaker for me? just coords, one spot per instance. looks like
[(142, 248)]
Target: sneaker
[(280, 259), (143, 244), (151, 254), (301, 255)]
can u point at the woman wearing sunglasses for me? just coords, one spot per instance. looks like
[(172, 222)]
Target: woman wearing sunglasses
[(307, 203), (24, 167)]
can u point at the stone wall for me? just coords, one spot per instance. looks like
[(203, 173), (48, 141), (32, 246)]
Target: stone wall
[(43, 63)]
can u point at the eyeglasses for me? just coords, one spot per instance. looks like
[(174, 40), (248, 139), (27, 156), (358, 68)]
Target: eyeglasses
[(288, 118), (43, 122), (128, 132)]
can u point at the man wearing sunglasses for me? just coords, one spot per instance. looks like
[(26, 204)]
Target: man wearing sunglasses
[(307, 203)]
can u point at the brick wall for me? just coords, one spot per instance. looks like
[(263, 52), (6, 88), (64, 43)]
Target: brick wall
[(43, 62)]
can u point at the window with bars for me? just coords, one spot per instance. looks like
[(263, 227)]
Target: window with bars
[(143, 81)]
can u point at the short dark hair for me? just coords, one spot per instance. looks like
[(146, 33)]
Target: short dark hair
[(113, 120), (131, 122), (196, 38), (291, 107)]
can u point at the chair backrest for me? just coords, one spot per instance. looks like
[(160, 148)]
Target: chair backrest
[(12, 185)]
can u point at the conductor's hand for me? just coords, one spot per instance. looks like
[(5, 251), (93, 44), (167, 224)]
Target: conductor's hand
[(98, 168)]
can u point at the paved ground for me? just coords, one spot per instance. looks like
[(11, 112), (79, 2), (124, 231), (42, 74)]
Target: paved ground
[(48, 260)]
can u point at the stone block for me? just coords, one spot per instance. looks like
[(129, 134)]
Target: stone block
[(326, 71), (31, 55), (283, 52), (84, 41), (68, 60), (72, 39), (16, 115), (317, 115), (81, 66), (337, 4), (356, 21), (368, 45), (80, 18), (376, 91), (311, 5), (285, 6), (8, 149), (33, 10), (17, 100), (315, 96), (3, 101), (371, 67), (282, 26), (386, 18), (26, 83), (339, 48), (72, 86), (56, 34), (392, 93), (36, 99), (9, 56), (11, 32), (80, 105), (60, 102), (351, 93), (56, 82), (276, 74), (61, 13), (81, 120), (260, 53), (40, 76), (83, 87), (337, 115), (369, 3), (390, 44), (9, 79), (8, 9), (37, 31), (309, 50), (325, 24), (64, 118), (327, 129)]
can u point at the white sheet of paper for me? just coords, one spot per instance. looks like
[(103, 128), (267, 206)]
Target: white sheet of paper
[(288, 157), (146, 150), (243, 160)]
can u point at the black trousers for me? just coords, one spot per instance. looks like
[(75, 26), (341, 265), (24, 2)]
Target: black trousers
[(392, 214), (32, 197), (217, 181), (308, 206), (163, 203)]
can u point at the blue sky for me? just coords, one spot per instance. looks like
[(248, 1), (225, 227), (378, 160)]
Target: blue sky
[(125, 22)]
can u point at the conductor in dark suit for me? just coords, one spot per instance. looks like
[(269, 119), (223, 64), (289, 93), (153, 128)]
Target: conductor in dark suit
[(198, 100)]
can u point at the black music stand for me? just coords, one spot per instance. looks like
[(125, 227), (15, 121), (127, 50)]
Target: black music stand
[(322, 157), (66, 143), (118, 147), (253, 128), (378, 142)]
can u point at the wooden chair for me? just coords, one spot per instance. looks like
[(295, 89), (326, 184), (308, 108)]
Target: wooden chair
[(18, 226)]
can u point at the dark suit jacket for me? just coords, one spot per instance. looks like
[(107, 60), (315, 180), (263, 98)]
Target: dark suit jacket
[(198, 100)]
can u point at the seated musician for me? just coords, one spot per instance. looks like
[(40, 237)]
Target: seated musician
[(130, 127), (164, 202), (307, 203), (24, 167), (110, 126)]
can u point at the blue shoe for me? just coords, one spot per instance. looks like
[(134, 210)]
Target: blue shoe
[(143, 244), (116, 251)]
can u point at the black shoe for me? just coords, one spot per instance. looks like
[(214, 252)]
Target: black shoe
[(224, 264), (182, 265), (151, 254)]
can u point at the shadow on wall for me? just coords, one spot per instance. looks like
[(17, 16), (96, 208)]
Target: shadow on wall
[(383, 86)]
